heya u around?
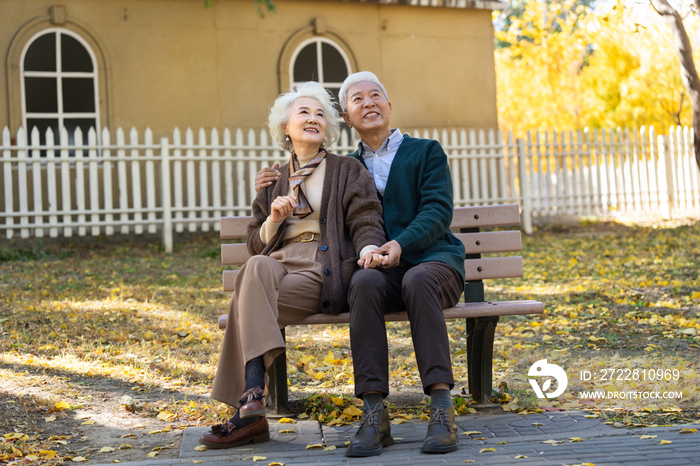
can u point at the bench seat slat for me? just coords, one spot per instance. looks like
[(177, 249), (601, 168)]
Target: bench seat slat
[(460, 311), (491, 241)]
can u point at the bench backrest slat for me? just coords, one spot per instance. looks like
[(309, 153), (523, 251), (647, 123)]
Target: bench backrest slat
[(474, 243), (493, 267), (463, 217), (491, 241)]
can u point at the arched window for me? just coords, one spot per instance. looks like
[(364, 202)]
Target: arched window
[(319, 59), (59, 84)]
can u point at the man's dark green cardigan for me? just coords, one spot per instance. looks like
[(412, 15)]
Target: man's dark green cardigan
[(418, 204)]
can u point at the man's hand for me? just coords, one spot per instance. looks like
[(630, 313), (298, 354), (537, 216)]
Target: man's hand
[(391, 252), (371, 260), (282, 207), (266, 177)]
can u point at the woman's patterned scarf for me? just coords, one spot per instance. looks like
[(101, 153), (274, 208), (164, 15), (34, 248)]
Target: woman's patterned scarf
[(297, 176)]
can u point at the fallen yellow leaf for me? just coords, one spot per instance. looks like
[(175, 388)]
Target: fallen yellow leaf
[(61, 405), (152, 454), (126, 446), (337, 400), (200, 448), (520, 456), (575, 439), (259, 458), (88, 423), (288, 431), (398, 421), (50, 418), (286, 420), (165, 416), (687, 431), (665, 442), (501, 443), (471, 432), (106, 450), (306, 416), (484, 450), (316, 445), (78, 459), (553, 442), (128, 436), (276, 464), (331, 448), (47, 454), (644, 437), (352, 411), (79, 417)]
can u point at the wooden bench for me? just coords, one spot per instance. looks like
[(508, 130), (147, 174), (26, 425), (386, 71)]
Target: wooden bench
[(481, 315)]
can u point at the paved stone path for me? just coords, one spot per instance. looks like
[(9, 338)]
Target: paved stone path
[(516, 439)]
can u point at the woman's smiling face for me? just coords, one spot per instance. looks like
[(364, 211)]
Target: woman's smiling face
[(307, 124)]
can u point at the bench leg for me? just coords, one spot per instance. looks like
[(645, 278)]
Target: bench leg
[(277, 387), (480, 336)]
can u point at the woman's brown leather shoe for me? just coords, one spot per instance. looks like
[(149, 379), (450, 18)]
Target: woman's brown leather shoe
[(252, 403), (226, 435)]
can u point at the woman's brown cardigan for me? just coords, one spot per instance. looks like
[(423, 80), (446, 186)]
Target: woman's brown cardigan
[(350, 219)]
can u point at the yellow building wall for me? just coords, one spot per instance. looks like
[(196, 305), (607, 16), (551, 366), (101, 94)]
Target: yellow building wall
[(174, 63)]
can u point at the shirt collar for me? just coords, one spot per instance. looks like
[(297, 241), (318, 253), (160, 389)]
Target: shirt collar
[(391, 143)]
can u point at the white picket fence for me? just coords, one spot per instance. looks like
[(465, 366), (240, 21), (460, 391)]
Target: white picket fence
[(132, 185)]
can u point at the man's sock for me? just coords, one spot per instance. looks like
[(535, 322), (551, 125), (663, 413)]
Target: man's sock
[(441, 398), (240, 422), (371, 401), (255, 373)]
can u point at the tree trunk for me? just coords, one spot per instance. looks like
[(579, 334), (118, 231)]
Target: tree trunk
[(688, 71)]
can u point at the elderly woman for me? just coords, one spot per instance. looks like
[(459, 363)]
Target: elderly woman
[(310, 230)]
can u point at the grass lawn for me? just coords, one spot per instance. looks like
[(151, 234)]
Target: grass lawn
[(114, 344)]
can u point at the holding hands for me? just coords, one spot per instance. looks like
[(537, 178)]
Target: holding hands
[(385, 257), (282, 207)]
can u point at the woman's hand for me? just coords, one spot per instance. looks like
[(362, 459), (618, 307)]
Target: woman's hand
[(266, 176), (282, 207), (371, 260)]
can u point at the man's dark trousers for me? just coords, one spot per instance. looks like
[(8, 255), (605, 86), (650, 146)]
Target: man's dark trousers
[(423, 290)]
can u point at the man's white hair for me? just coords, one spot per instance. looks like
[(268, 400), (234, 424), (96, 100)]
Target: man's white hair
[(353, 79), (281, 111)]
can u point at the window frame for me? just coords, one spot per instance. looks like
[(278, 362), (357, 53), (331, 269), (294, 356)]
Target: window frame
[(319, 40), (60, 115)]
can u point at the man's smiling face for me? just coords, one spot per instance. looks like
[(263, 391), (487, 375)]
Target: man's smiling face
[(368, 109)]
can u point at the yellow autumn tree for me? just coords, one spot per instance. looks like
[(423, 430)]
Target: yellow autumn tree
[(615, 68)]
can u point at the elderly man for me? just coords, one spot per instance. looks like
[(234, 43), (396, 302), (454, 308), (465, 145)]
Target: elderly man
[(422, 271)]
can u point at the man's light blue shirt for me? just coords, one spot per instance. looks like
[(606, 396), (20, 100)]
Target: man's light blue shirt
[(379, 162)]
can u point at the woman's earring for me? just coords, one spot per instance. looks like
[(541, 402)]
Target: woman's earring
[(287, 138)]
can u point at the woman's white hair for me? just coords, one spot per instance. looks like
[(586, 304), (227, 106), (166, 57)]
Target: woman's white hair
[(353, 79), (281, 111)]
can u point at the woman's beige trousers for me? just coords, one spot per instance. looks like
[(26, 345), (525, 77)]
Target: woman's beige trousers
[(271, 292)]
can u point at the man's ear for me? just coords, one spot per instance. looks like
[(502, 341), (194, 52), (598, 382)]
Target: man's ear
[(347, 119)]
